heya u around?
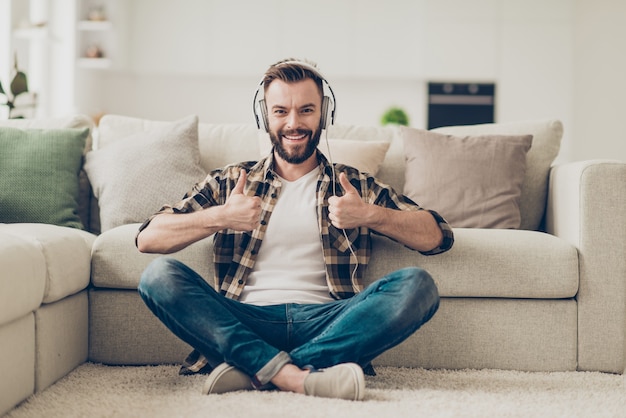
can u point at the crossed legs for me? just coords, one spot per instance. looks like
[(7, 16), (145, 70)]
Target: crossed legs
[(280, 343)]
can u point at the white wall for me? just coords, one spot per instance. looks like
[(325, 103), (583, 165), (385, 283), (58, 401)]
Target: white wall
[(599, 93), (550, 59), (5, 51)]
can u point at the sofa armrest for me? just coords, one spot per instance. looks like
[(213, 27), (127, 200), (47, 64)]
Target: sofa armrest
[(587, 208)]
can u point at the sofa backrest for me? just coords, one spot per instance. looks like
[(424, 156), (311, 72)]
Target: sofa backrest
[(379, 148), (222, 144)]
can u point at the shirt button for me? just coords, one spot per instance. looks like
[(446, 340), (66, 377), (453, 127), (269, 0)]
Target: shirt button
[(263, 222), (240, 281)]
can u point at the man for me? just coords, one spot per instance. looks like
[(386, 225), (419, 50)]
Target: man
[(292, 240)]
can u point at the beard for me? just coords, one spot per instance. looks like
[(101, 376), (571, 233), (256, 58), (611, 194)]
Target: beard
[(300, 153)]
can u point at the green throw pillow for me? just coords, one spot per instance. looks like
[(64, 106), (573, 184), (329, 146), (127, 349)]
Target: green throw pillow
[(39, 175)]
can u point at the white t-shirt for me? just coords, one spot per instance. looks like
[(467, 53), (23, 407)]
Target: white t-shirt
[(290, 265)]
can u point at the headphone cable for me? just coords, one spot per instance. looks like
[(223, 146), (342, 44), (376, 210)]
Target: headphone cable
[(334, 180)]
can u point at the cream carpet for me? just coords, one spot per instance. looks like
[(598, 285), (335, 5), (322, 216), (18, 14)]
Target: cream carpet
[(94, 390)]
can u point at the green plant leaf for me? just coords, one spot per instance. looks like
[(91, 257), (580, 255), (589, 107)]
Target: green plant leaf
[(396, 116), (19, 84)]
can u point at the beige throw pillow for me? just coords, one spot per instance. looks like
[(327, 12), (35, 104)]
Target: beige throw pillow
[(472, 181), (366, 156), (134, 176), (547, 136)]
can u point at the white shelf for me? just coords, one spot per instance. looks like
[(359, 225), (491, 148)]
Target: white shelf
[(34, 33), (98, 35), (96, 63), (55, 42), (92, 25)]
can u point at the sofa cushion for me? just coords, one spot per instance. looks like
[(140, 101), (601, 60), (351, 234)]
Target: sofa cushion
[(74, 121), (39, 175), (117, 264), (226, 143), (66, 254), (219, 143), (498, 263), (391, 171), (546, 143), (133, 176), (472, 181), (22, 277), (490, 263)]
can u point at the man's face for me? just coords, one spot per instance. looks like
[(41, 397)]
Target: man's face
[(294, 112)]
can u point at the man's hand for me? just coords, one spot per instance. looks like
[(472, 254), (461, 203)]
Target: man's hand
[(348, 211), (415, 229), (243, 213), (169, 232)]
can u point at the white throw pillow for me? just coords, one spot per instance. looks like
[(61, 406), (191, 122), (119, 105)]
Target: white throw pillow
[(366, 156), (134, 176)]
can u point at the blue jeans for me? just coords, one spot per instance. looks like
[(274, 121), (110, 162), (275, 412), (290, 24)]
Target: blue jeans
[(260, 340)]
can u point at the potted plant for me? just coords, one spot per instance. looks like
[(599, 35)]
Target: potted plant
[(395, 115), (19, 85)]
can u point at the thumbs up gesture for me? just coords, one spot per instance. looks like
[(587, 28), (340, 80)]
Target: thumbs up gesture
[(349, 210), (243, 212)]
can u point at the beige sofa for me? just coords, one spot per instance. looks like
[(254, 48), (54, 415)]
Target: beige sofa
[(511, 299)]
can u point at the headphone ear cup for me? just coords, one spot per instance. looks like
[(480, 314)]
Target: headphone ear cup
[(263, 110), (325, 109)]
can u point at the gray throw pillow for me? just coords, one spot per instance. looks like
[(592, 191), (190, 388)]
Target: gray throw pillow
[(134, 176)]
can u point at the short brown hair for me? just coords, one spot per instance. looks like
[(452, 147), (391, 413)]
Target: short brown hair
[(291, 70)]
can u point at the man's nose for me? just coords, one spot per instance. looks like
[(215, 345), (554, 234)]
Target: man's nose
[(293, 120)]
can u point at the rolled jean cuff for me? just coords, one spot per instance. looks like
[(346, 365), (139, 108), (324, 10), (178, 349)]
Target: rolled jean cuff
[(268, 371)]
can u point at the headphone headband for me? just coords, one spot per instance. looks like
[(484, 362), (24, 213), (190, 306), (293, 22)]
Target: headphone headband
[(328, 113)]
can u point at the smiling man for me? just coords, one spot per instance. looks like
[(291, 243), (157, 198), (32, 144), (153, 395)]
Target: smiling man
[(297, 132), (291, 244)]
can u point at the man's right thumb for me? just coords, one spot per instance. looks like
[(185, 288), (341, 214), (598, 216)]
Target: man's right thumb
[(241, 182)]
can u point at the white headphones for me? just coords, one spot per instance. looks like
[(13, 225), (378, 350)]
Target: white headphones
[(328, 103)]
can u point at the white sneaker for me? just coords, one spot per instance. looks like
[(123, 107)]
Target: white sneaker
[(226, 378), (343, 381)]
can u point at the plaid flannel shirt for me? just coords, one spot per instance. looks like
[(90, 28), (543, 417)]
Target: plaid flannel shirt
[(235, 251)]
